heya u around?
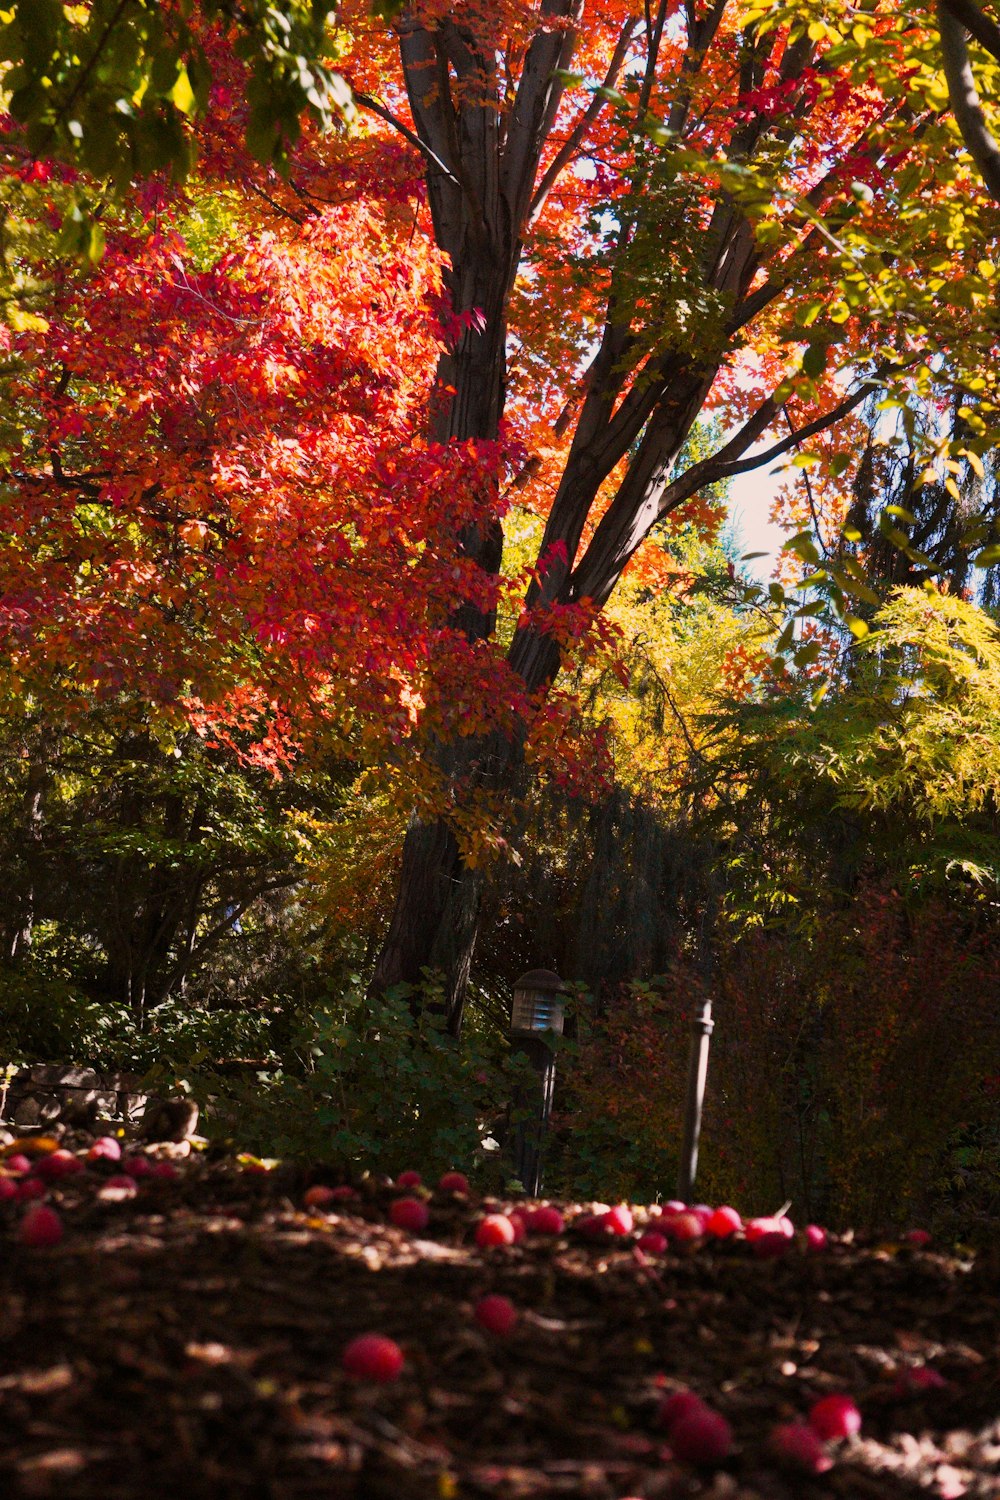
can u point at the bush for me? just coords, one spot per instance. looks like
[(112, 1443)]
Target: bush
[(379, 1084)]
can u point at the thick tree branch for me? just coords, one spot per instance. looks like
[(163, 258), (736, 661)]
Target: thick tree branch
[(974, 19), (969, 117)]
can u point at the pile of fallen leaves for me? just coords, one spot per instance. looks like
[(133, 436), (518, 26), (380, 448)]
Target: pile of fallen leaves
[(206, 1324)]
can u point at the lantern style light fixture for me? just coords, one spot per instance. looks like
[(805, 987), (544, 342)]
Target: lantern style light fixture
[(538, 1012), (539, 1004)]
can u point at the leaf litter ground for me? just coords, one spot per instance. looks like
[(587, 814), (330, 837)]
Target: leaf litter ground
[(188, 1342)]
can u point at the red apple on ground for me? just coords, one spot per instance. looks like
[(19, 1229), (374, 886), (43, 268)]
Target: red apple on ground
[(118, 1188), (454, 1182), (137, 1166), (618, 1221), (8, 1190), (677, 1405), (816, 1237), (701, 1437), (497, 1315), (30, 1188), (917, 1380), (40, 1228), (318, 1196), (835, 1417), (797, 1446), (723, 1223), (409, 1180), (519, 1218), (409, 1213), (495, 1229), (18, 1162), (57, 1164), (105, 1148), (546, 1220), (372, 1356), (653, 1242), (682, 1227)]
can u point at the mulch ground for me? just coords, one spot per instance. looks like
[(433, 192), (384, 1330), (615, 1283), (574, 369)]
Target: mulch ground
[(188, 1343)]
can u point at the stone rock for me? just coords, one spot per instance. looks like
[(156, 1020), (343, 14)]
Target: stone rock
[(80, 1078), (48, 1075), (79, 1106), (36, 1109), (133, 1106), (170, 1120)]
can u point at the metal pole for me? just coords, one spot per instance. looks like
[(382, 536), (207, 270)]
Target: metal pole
[(529, 1137), (701, 1031)]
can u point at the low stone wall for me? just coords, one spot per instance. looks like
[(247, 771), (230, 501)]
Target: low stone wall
[(51, 1093)]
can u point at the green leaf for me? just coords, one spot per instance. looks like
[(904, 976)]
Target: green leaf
[(989, 556), (814, 360)]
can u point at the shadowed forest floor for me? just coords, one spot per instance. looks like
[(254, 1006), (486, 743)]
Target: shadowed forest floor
[(188, 1342)]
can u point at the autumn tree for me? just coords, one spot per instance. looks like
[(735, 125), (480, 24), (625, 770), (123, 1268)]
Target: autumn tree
[(733, 198)]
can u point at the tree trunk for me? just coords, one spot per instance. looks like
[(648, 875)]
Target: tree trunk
[(484, 128)]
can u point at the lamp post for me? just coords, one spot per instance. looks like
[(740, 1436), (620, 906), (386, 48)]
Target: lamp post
[(702, 1026), (537, 1014)]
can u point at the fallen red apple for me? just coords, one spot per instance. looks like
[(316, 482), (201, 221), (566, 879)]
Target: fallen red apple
[(497, 1314), (105, 1148), (918, 1238), (40, 1228), (57, 1164), (409, 1180), (816, 1237), (771, 1245), (701, 1436), (29, 1188), (835, 1417), (137, 1165), (118, 1188), (653, 1242), (546, 1220), (164, 1170), (344, 1193), (916, 1380), (683, 1227), (409, 1213), (8, 1190), (723, 1223), (372, 1356), (797, 1446), (618, 1221), (18, 1162), (495, 1229), (318, 1196), (519, 1218), (454, 1182), (677, 1405)]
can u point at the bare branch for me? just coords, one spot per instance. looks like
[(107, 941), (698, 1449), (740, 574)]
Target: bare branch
[(367, 102), (578, 133)]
